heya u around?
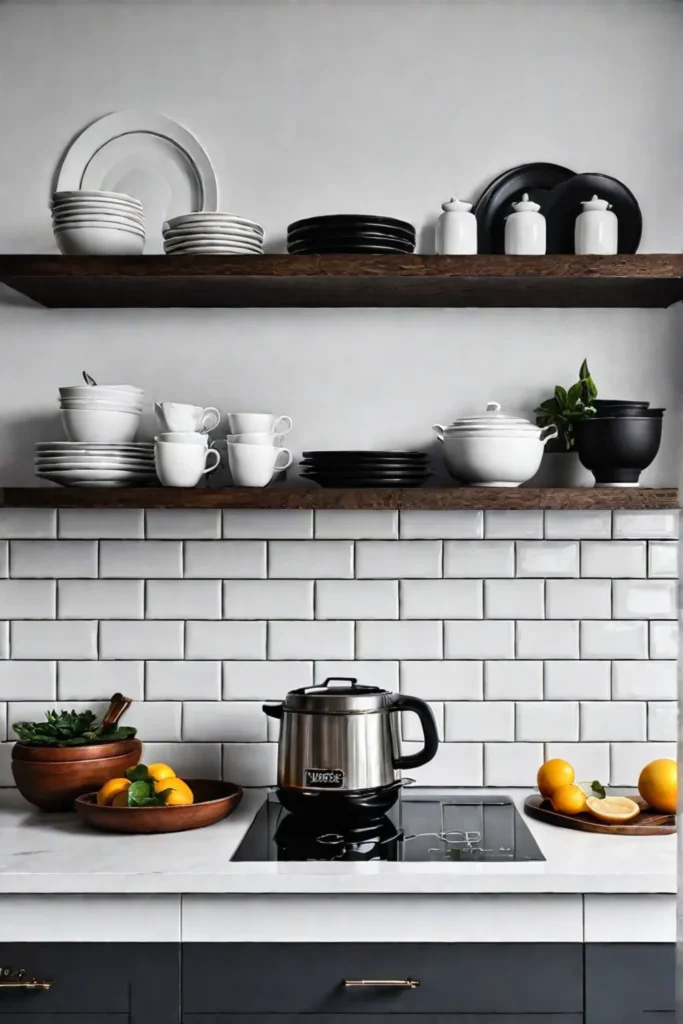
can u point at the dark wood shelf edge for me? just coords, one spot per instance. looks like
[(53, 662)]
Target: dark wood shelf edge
[(422, 498)]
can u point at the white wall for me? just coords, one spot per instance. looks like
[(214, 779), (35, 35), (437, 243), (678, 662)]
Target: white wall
[(309, 108)]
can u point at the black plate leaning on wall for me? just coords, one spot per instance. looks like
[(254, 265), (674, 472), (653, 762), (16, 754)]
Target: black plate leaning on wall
[(495, 202), (565, 206)]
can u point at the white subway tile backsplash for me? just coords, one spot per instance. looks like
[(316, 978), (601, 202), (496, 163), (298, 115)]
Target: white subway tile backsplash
[(101, 523), (368, 673), (465, 525), (644, 680), (96, 680), (158, 721), (411, 727), (455, 764), (183, 524), (627, 760), (479, 559), (549, 639), (100, 599), (480, 721), (590, 760), (513, 525), (578, 599), (545, 720), (268, 524), (548, 558), (613, 720), (652, 525), (34, 523), (442, 680), (514, 599), (218, 641), (614, 640), (138, 641), (4, 559), (250, 764), (28, 599), (357, 525), (310, 560), (138, 559), (189, 760), (225, 559), (310, 641), (268, 599), (356, 599), (38, 641), (4, 639), (644, 599), (513, 680), (403, 641), (441, 599), (572, 680), (572, 524), (183, 599), (418, 559), (52, 559), (264, 680), (233, 721), (613, 559), (3, 722), (662, 559), (512, 764), (30, 680), (183, 680), (662, 720), (663, 640), (492, 638)]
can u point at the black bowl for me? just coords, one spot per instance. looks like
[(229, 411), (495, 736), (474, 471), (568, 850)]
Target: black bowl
[(606, 412), (601, 403), (616, 449)]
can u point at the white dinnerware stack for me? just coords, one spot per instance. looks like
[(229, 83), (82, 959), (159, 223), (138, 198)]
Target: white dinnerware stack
[(87, 223), (102, 414), (196, 234), (181, 451), (255, 447), (79, 464)]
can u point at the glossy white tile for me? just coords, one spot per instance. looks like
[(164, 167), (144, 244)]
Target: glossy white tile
[(515, 525), (589, 760), (571, 524), (356, 599), (644, 680), (441, 599), (233, 721), (460, 525), (101, 599), (629, 759), (53, 559), (356, 525), (401, 641), (30, 680), (28, 599), (216, 641), (138, 641), (613, 720), (97, 680), (664, 640), (421, 559), (662, 559), (310, 560), (29, 523), (492, 638), (614, 559), (549, 639), (479, 559), (137, 559), (368, 673), (183, 599), (310, 641), (455, 764), (38, 641), (572, 680), (512, 764), (578, 599), (101, 523), (268, 599), (514, 599), (183, 680), (513, 680), (442, 680), (480, 721), (604, 640), (545, 720), (548, 558), (225, 559), (250, 764), (264, 680), (645, 599), (652, 524), (662, 720), (268, 524), (183, 524)]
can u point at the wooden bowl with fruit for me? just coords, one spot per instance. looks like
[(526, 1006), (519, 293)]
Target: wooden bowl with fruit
[(151, 798)]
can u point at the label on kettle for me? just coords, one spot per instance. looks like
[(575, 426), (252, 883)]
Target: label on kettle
[(324, 778)]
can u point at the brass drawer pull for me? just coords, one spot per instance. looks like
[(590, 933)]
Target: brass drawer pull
[(10, 978), (382, 983)]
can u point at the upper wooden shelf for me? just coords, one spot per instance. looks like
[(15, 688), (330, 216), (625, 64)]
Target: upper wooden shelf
[(424, 498), (329, 281)]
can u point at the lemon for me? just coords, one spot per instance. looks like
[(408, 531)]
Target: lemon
[(177, 799), (160, 771), (110, 789), (613, 809), (553, 774), (121, 799), (181, 792), (658, 785), (569, 799)]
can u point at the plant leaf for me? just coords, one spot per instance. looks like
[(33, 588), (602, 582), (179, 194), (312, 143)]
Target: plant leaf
[(138, 773), (584, 372), (139, 792), (598, 789), (561, 396)]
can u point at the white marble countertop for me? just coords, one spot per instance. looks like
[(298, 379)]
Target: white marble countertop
[(42, 853)]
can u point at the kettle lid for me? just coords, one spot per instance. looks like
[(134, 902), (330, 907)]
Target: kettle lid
[(350, 695)]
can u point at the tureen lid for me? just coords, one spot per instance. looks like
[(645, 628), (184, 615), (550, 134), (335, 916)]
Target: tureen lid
[(494, 418), (346, 695), (526, 205), (596, 203), (456, 204)]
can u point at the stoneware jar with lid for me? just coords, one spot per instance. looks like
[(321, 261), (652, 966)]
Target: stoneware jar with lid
[(456, 229), (525, 231), (597, 229)]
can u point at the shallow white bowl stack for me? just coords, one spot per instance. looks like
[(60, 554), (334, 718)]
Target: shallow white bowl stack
[(197, 234), (87, 223)]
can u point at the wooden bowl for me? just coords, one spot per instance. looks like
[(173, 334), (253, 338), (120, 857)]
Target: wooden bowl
[(213, 801), (52, 777)]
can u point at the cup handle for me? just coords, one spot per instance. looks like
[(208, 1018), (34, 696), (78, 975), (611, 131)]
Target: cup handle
[(280, 428), (439, 431), (553, 431), (210, 469), (210, 414), (287, 464)]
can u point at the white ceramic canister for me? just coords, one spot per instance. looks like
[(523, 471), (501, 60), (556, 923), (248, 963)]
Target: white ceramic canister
[(525, 232), (597, 229), (456, 229)]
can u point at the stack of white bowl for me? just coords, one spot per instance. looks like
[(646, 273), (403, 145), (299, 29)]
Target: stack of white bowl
[(104, 414), (196, 234), (98, 223)]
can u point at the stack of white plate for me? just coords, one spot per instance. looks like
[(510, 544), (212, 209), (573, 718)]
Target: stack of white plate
[(196, 234), (76, 464), (103, 413), (98, 223)]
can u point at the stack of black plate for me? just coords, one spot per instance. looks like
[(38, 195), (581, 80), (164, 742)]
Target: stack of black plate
[(350, 233), (366, 469)]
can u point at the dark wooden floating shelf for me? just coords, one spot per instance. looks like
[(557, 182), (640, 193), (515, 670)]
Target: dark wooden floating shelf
[(333, 281), (425, 498)]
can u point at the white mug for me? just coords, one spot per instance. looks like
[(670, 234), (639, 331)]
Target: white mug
[(253, 465), (176, 416), (184, 437), (248, 422), (257, 437), (183, 465)]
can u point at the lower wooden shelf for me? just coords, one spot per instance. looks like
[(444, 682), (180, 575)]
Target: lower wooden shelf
[(421, 498)]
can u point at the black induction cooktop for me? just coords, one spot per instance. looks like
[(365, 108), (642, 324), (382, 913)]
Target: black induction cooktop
[(420, 827)]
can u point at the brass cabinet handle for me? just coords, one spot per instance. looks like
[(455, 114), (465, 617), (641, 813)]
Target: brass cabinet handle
[(382, 983), (10, 978)]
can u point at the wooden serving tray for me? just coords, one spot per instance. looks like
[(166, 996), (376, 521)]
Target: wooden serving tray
[(648, 822)]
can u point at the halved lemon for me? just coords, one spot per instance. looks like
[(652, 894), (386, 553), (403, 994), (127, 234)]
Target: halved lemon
[(612, 809)]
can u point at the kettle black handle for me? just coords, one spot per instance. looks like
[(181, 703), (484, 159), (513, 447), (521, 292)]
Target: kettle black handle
[(273, 710), (431, 736)]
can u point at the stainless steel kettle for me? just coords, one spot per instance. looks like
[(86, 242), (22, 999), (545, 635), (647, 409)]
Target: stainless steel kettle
[(339, 749)]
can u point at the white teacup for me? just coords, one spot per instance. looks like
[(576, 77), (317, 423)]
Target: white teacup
[(253, 465), (257, 437), (184, 437), (176, 416), (183, 465), (258, 422)]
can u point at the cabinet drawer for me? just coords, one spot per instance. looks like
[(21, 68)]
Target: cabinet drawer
[(49, 1018), (386, 1018), (270, 978), (630, 982)]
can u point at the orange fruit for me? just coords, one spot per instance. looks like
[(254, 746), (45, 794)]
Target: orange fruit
[(121, 799), (658, 785), (180, 791), (613, 809), (159, 771), (569, 799), (110, 789), (176, 799), (553, 774)]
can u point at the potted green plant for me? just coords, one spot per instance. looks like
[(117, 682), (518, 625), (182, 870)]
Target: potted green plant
[(561, 466)]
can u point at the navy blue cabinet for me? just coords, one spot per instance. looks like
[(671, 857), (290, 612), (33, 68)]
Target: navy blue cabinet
[(630, 983)]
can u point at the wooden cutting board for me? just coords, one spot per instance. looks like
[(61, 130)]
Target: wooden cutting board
[(648, 822)]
